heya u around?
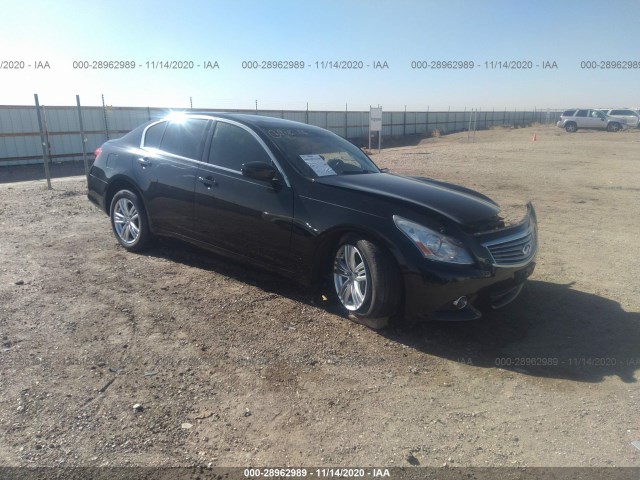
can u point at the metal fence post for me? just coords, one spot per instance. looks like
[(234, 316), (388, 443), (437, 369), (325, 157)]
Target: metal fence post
[(369, 127), (404, 125), (45, 159), (83, 139), (474, 114), (106, 123), (446, 121), (426, 122), (346, 120)]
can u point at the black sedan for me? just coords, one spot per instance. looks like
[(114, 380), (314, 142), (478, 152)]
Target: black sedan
[(304, 202)]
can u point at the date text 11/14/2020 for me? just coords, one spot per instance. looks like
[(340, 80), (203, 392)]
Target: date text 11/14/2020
[(316, 472)]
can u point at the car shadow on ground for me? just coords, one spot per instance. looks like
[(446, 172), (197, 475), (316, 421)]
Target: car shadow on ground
[(196, 257), (551, 330)]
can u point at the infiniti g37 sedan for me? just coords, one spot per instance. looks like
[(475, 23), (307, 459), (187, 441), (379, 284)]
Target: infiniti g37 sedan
[(304, 202)]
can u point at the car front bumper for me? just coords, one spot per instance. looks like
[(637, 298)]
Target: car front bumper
[(442, 291), (438, 297)]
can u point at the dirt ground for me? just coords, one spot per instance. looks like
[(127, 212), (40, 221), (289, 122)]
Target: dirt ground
[(231, 366)]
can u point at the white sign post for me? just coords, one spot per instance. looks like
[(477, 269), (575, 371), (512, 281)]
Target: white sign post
[(375, 124)]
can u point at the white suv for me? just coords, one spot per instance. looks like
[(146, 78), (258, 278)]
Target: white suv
[(573, 119), (630, 117)]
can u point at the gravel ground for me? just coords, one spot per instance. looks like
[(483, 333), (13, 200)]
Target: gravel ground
[(177, 357)]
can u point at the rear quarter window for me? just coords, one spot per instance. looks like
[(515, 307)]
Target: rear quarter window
[(153, 135)]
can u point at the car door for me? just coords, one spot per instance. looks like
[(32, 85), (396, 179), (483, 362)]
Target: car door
[(582, 119), (166, 172), (597, 119), (248, 217)]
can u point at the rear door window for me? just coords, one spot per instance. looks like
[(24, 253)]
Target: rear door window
[(582, 113), (622, 112), (185, 138)]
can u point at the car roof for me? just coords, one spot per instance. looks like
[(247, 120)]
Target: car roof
[(254, 120)]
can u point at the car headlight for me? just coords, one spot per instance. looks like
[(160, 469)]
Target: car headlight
[(433, 245)]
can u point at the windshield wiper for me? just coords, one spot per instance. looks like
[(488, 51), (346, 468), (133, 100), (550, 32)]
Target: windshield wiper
[(354, 172)]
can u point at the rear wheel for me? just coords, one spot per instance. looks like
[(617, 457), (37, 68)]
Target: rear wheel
[(365, 280), (129, 221), (571, 127), (614, 127)]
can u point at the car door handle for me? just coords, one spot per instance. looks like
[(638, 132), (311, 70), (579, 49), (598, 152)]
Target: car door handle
[(144, 162), (208, 181)]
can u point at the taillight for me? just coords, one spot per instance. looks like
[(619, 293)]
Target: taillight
[(97, 152)]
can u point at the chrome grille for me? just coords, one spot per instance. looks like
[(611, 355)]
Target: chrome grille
[(513, 250)]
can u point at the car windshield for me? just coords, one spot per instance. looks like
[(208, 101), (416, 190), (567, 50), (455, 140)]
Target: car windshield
[(316, 153)]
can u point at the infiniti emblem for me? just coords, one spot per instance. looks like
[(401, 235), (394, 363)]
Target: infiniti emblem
[(526, 249)]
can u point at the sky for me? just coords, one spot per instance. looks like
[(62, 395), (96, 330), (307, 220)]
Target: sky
[(575, 38)]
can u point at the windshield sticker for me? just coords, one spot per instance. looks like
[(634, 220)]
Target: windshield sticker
[(318, 165)]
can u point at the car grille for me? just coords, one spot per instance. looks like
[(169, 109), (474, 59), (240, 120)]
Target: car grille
[(513, 250)]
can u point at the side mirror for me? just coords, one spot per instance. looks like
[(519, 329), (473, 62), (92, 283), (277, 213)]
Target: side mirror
[(259, 171)]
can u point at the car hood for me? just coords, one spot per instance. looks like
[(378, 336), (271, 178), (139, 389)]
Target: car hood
[(462, 205)]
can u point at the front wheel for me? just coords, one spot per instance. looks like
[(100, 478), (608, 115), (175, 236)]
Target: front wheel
[(614, 127), (571, 127), (129, 221), (365, 280)]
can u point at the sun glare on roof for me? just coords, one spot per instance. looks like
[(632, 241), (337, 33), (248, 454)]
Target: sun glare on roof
[(176, 117)]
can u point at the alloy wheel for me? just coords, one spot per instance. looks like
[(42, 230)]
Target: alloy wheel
[(126, 220), (350, 277)]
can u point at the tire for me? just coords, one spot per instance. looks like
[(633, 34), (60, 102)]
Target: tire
[(129, 221), (614, 127), (365, 280), (571, 127)]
